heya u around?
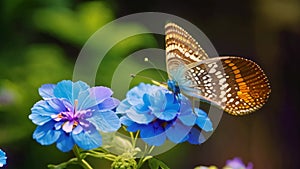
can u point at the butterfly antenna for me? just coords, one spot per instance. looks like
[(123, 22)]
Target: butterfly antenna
[(153, 81), (140, 76), (152, 64)]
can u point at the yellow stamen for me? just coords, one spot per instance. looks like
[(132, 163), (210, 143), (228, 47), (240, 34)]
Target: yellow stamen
[(75, 104)]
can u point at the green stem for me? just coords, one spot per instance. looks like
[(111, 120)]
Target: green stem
[(101, 155), (141, 160), (64, 164), (146, 156), (135, 138), (151, 149), (80, 160), (140, 163)]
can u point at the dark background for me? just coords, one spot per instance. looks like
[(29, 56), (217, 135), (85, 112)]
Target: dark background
[(40, 41)]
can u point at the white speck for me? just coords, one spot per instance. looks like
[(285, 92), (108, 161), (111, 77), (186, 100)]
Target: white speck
[(219, 76), (222, 81), (218, 72), (224, 99), (213, 70)]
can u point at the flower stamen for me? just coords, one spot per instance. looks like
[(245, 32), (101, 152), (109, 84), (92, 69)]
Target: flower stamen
[(75, 105)]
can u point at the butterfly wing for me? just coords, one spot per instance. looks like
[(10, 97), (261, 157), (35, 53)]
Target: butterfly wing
[(182, 45), (181, 49), (237, 85)]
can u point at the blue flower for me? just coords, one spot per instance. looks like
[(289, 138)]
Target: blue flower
[(73, 113), (159, 114), (2, 158), (237, 163)]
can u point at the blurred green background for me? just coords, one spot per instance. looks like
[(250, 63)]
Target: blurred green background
[(40, 41)]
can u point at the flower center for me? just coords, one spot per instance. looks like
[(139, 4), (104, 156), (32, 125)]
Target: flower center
[(70, 119)]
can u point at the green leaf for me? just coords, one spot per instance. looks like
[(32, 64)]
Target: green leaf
[(157, 164)]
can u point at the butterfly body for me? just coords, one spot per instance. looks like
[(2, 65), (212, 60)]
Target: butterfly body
[(235, 84), (173, 86)]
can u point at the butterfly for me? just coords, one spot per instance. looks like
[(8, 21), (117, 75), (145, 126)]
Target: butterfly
[(235, 84)]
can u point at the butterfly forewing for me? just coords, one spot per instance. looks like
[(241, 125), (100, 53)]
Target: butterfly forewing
[(182, 45), (237, 85)]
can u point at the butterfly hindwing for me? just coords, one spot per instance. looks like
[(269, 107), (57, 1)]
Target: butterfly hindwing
[(236, 84)]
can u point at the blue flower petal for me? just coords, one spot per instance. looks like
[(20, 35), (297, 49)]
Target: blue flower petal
[(166, 115), (140, 118), (177, 132), (135, 95), (186, 116), (153, 135), (57, 105), (65, 143), (203, 121), (63, 89), (101, 93), (58, 125), (38, 119), (158, 100), (85, 101), (88, 139), (134, 127), (78, 87), (163, 105), (43, 110), (2, 158), (131, 126), (68, 126), (97, 96), (108, 104), (141, 109), (46, 134), (146, 100), (105, 121), (123, 106), (126, 121), (77, 129), (195, 136), (46, 91), (69, 90), (69, 107)]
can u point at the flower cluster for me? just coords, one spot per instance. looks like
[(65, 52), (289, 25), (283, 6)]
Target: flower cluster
[(73, 113), (159, 114), (2, 158)]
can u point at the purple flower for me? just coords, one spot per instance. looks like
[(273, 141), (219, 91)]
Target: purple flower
[(237, 163), (73, 113), (159, 115)]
